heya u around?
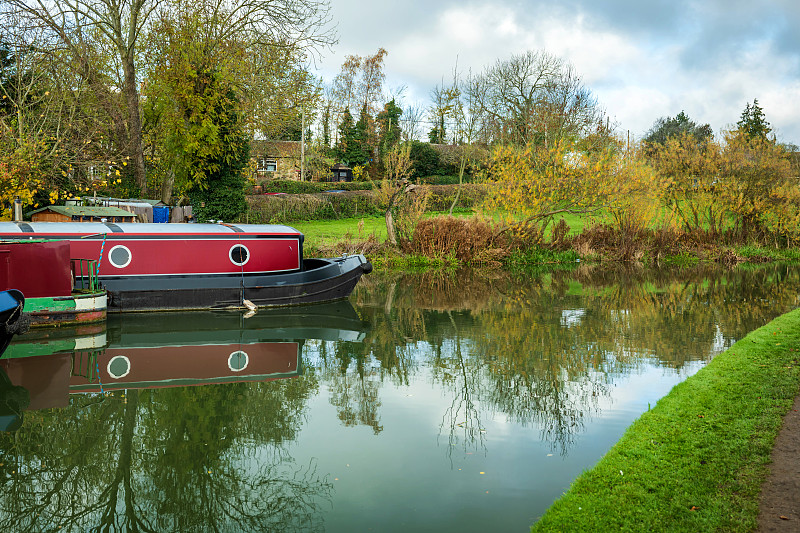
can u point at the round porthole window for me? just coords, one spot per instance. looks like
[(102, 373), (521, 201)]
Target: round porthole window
[(239, 254), (119, 256), (237, 361), (119, 366)]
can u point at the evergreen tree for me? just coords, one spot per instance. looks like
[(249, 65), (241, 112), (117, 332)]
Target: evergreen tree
[(221, 195), (350, 149), (437, 133), (326, 127), (364, 134), (753, 122), (667, 127), (389, 126)]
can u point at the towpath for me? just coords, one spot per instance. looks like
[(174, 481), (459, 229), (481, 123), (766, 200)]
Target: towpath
[(780, 495)]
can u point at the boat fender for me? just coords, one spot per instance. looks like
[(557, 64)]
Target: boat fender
[(366, 266)]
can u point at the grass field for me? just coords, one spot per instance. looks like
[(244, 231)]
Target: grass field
[(696, 461), (318, 232)]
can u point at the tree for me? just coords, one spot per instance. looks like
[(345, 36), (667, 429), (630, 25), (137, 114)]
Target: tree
[(350, 148), (688, 172), (403, 208), (194, 96), (389, 131), (753, 122), (360, 81), (104, 44), (365, 134), (205, 56), (441, 101), (534, 183), (91, 27), (532, 97), (411, 120), (424, 159), (757, 185), (667, 127), (55, 139), (437, 134)]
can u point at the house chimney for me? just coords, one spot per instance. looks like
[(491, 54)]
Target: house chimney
[(17, 209)]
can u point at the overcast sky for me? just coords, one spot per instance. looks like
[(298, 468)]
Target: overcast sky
[(642, 59)]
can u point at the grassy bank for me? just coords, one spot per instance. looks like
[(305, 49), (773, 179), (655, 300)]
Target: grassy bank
[(696, 461)]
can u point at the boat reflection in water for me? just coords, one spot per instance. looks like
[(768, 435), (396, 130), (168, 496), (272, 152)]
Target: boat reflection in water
[(157, 350)]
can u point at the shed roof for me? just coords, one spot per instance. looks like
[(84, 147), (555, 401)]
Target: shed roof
[(124, 201), (82, 210)]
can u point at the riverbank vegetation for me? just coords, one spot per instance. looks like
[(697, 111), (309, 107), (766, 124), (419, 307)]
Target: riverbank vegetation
[(696, 461), (680, 195)]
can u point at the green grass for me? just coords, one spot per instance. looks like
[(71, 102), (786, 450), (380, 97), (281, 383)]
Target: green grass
[(318, 232), (775, 254), (696, 461), (327, 231)]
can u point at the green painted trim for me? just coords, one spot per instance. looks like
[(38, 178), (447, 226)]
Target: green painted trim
[(51, 304), (30, 349)]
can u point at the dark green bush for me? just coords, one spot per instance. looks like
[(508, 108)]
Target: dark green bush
[(425, 160), (311, 187), (442, 180), (268, 209), (278, 209), (442, 196)]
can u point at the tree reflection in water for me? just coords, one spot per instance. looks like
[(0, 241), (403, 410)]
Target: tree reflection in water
[(183, 459), (540, 347)]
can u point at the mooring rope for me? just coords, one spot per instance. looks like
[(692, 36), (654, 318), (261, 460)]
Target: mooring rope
[(102, 246), (97, 366)]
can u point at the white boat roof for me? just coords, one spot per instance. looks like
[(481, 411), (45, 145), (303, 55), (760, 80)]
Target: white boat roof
[(99, 228)]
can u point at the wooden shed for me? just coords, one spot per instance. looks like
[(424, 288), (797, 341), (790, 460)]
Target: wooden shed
[(78, 213), (341, 172)]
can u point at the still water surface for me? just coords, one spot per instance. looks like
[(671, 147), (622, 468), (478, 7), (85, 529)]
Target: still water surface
[(429, 402)]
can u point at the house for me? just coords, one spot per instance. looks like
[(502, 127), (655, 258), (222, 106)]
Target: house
[(276, 160), (79, 213)]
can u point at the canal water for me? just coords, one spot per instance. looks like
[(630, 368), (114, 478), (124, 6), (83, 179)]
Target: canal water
[(448, 401)]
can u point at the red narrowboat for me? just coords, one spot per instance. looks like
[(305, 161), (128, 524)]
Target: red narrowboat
[(199, 266)]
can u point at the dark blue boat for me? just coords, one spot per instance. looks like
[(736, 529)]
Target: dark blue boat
[(12, 320)]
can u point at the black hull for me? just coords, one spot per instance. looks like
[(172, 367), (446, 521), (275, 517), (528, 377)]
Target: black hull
[(321, 280), (12, 321)]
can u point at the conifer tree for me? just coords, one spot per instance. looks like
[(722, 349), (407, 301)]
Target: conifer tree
[(753, 122)]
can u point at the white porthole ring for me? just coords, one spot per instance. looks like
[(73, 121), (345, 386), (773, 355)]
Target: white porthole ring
[(118, 367), (238, 361), (120, 256), (239, 254)]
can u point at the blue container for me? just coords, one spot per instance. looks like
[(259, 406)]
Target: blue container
[(161, 214)]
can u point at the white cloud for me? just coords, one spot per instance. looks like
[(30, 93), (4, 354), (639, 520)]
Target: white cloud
[(640, 68)]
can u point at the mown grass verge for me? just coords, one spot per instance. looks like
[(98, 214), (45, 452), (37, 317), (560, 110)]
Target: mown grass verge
[(696, 461)]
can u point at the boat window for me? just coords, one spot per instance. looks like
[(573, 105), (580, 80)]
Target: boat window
[(237, 361), (119, 256), (119, 366), (239, 254)]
